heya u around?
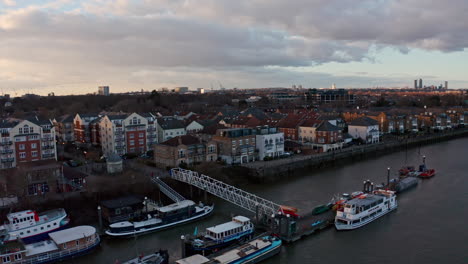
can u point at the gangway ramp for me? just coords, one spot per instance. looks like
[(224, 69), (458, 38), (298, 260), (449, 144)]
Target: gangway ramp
[(168, 191), (248, 201)]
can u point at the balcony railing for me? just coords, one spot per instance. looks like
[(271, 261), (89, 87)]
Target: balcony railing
[(151, 129), (7, 160), (5, 134), (46, 130), (46, 156), (48, 147), (7, 151), (47, 139), (119, 147), (118, 133), (6, 143), (151, 136), (119, 139)]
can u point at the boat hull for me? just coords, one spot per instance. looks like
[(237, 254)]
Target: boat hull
[(343, 227), (260, 255), (163, 226)]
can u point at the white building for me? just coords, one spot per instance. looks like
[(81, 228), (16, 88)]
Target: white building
[(365, 128), (269, 142), (169, 127), (122, 134), (306, 131), (26, 141), (194, 127)]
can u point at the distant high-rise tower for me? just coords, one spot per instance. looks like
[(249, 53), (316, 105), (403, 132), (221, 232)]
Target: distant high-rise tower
[(420, 84), (333, 86), (103, 90), (446, 85), (415, 84)]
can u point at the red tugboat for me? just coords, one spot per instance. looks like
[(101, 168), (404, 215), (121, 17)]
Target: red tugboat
[(424, 172)]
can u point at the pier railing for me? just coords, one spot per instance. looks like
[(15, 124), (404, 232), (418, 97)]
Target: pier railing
[(248, 201)]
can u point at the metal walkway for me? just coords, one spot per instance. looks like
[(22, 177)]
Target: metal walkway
[(171, 193), (227, 192)]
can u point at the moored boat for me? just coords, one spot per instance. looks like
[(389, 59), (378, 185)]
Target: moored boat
[(30, 226), (61, 245), (163, 217), (160, 257), (254, 251), (364, 209), (219, 236)]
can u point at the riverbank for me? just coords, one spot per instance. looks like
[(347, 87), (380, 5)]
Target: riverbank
[(275, 170)]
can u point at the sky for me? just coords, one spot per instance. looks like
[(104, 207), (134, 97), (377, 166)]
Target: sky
[(72, 47)]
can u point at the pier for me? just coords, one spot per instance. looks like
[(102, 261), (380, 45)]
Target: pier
[(274, 218)]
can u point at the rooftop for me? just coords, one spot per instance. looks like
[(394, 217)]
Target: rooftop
[(72, 234), (182, 140), (363, 121)]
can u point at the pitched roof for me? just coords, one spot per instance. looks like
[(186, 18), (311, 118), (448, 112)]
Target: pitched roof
[(170, 123), (7, 123), (182, 140), (117, 117), (66, 119), (255, 112), (326, 126), (363, 121)]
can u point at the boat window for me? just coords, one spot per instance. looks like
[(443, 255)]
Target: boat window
[(42, 228), (77, 242), (6, 259), (48, 226), (356, 221), (18, 256), (55, 223), (35, 229), (64, 245), (21, 233)]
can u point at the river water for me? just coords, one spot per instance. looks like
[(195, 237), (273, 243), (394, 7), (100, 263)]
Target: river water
[(429, 225)]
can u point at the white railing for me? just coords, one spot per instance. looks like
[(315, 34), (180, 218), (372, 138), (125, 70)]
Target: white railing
[(227, 192), (171, 193)]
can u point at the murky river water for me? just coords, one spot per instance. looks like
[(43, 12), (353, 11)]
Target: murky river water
[(429, 225)]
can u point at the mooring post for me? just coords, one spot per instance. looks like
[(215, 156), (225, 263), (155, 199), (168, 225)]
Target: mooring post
[(99, 217), (182, 244)]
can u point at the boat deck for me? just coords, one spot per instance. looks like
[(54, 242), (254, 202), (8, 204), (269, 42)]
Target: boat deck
[(310, 224)]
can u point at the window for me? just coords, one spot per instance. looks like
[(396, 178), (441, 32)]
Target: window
[(141, 142), (34, 154), (77, 242), (22, 155), (132, 135), (64, 245), (132, 142), (6, 259), (20, 130), (31, 130), (18, 256), (33, 145), (22, 147), (140, 135)]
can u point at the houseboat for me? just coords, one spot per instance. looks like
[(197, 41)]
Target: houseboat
[(31, 227), (220, 236), (61, 245), (364, 209), (160, 257), (163, 217), (252, 252)]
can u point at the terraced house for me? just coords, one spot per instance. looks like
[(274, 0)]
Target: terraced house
[(26, 141), (185, 149)]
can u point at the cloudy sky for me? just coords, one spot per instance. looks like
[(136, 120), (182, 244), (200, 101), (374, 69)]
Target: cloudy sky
[(71, 47)]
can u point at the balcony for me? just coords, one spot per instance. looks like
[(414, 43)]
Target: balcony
[(153, 129), (121, 139), (6, 143), (8, 160), (151, 136), (45, 130), (118, 132), (119, 147), (7, 151), (5, 134), (47, 156), (48, 147), (47, 139)]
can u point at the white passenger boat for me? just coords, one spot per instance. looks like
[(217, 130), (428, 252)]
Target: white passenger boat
[(364, 209), (31, 227)]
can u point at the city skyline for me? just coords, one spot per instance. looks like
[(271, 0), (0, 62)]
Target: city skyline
[(68, 47)]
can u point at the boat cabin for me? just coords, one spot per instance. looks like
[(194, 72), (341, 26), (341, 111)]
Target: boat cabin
[(122, 209), (238, 225), (74, 237), (11, 252), (23, 219), (176, 211)]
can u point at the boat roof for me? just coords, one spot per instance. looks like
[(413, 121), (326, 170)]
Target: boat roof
[(40, 247), (195, 259), (243, 250), (121, 224), (176, 206), (21, 214), (229, 225), (369, 198), (72, 234)]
